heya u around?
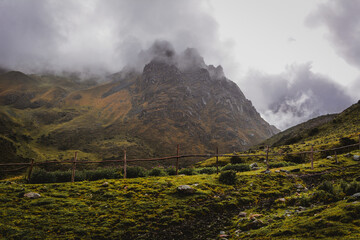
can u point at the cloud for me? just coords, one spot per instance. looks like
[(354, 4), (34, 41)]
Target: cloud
[(342, 20), (95, 35), (295, 95)]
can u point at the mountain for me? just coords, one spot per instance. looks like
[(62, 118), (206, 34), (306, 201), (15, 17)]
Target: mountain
[(175, 99), (327, 126)]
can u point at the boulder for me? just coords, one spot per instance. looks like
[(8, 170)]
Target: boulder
[(105, 184), (32, 195), (356, 157), (253, 165), (356, 195), (242, 214), (185, 189), (329, 157)]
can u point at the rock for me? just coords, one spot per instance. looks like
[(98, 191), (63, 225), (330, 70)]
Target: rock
[(254, 216), (356, 195), (277, 171), (281, 200), (185, 189), (329, 157), (299, 186), (267, 171), (105, 184), (285, 171), (356, 158), (253, 165), (242, 214), (348, 155), (32, 195), (256, 224), (222, 233), (295, 170)]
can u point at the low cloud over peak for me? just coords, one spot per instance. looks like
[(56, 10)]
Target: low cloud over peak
[(295, 95)]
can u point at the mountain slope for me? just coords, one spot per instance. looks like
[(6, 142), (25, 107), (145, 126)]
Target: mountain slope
[(330, 126), (148, 113)]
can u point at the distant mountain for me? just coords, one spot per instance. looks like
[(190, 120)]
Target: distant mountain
[(175, 99), (331, 126)]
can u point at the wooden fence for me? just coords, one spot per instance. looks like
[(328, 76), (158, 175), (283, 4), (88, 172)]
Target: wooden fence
[(125, 161)]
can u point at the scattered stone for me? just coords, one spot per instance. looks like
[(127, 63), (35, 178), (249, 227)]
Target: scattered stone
[(185, 189), (195, 184), (267, 171), (242, 214), (222, 233), (105, 184), (306, 189), (299, 186), (32, 195), (356, 195), (356, 158), (253, 165), (254, 216), (281, 200), (255, 224), (295, 170), (300, 208), (329, 157), (348, 155), (277, 171), (285, 171)]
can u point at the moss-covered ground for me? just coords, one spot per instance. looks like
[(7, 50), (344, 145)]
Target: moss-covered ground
[(279, 205)]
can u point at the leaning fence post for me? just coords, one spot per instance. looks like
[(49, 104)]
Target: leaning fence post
[(312, 157), (124, 163), (30, 169), (73, 168), (217, 160), (177, 160), (267, 158), (336, 158)]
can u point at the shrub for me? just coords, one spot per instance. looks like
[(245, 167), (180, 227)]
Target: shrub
[(62, 176), (228, 177), (236, 159), (294, 158), (187, 171), (350, 188), (101, 173), (41, 176), (236, 167), (207, 170), (327, 187), (171, 171), (134, 172), (346, 141), (280, 164), (157, 172)]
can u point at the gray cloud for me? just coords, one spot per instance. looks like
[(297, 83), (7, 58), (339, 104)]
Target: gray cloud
[(342, 19), (96, 35), (295, 95)]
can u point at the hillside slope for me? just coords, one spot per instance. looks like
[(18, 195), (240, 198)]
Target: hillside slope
[(148, 113), (330, 126)]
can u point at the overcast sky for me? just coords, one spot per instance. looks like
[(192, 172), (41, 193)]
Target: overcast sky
[(293, 59)]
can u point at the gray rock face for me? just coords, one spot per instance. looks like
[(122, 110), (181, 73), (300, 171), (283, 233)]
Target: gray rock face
[(185, 189), (356, 158), (32, 195)]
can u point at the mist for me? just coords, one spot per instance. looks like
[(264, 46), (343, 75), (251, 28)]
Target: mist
[(295, 95), (101, 36)]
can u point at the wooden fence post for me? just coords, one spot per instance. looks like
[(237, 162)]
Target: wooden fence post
[(217, 160), (124, 164), (336, 158), (267, 158), (312, 157), (359, 141), (73, 168), (177, 160), (30, 170)]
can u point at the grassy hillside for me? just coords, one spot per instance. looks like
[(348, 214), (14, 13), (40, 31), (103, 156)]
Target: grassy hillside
[(279, 205)]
